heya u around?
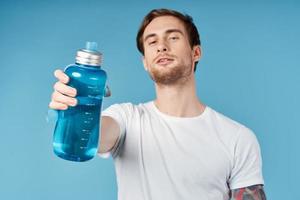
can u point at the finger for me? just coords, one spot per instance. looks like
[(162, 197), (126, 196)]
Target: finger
[(61, 76), (58, 97), (65, 89), (57, 106), (107, 92)]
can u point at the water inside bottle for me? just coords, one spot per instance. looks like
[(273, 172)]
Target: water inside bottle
[(81, 131)]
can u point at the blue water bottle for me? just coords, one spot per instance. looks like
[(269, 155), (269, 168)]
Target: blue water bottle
[(77, 129)]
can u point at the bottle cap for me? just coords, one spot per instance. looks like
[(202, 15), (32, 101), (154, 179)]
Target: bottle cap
[(90, 55)]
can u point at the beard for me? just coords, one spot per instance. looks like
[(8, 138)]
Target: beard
[(177, 74)]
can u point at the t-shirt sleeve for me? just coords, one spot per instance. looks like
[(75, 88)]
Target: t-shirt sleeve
[(247, 166), (116, 112)]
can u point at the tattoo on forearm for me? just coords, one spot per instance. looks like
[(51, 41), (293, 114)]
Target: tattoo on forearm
[(254, 192)]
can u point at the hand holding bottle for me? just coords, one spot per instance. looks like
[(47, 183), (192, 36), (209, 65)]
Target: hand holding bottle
[(63, 95)]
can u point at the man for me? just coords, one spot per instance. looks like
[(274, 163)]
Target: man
[(174, 147)]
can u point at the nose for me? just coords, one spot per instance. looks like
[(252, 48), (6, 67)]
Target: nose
[(162, 47)]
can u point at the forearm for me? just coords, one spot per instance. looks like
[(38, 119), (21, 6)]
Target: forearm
[(110, 132)]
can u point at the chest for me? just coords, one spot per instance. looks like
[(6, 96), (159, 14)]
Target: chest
[(184, 151)]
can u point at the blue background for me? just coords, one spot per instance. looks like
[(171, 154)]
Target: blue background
[(249, 71)]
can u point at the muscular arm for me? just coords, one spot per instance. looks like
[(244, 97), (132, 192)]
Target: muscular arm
[(254, 192)]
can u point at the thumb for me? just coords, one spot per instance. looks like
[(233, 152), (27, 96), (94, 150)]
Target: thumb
[(107, 92)]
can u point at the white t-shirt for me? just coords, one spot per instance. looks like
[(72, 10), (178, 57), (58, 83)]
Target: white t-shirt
[(161, 157)]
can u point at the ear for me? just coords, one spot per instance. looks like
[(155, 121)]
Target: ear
[(197, 53), (144, 63)]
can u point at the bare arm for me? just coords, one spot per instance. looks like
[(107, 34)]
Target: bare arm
[(254, 192), (110, 132), (63, 96)]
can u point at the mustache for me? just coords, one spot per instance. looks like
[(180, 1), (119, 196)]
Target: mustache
[(163, 55)]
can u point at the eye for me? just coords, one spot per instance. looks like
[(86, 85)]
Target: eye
[(151, 42), (173, 38)]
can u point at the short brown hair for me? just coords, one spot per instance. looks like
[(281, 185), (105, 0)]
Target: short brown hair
[(187, 20)]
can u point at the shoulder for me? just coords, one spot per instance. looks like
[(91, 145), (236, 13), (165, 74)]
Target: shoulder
[(229, 126), (128, 108), (224, 120)]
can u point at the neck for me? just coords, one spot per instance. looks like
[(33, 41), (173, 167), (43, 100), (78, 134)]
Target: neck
[(179, 100)]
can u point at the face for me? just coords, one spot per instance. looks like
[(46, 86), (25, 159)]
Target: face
[(168, 56)]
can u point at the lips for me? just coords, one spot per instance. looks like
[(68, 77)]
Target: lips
[(164, 61)]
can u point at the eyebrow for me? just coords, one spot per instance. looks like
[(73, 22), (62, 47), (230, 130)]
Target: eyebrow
[(167, 32)]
